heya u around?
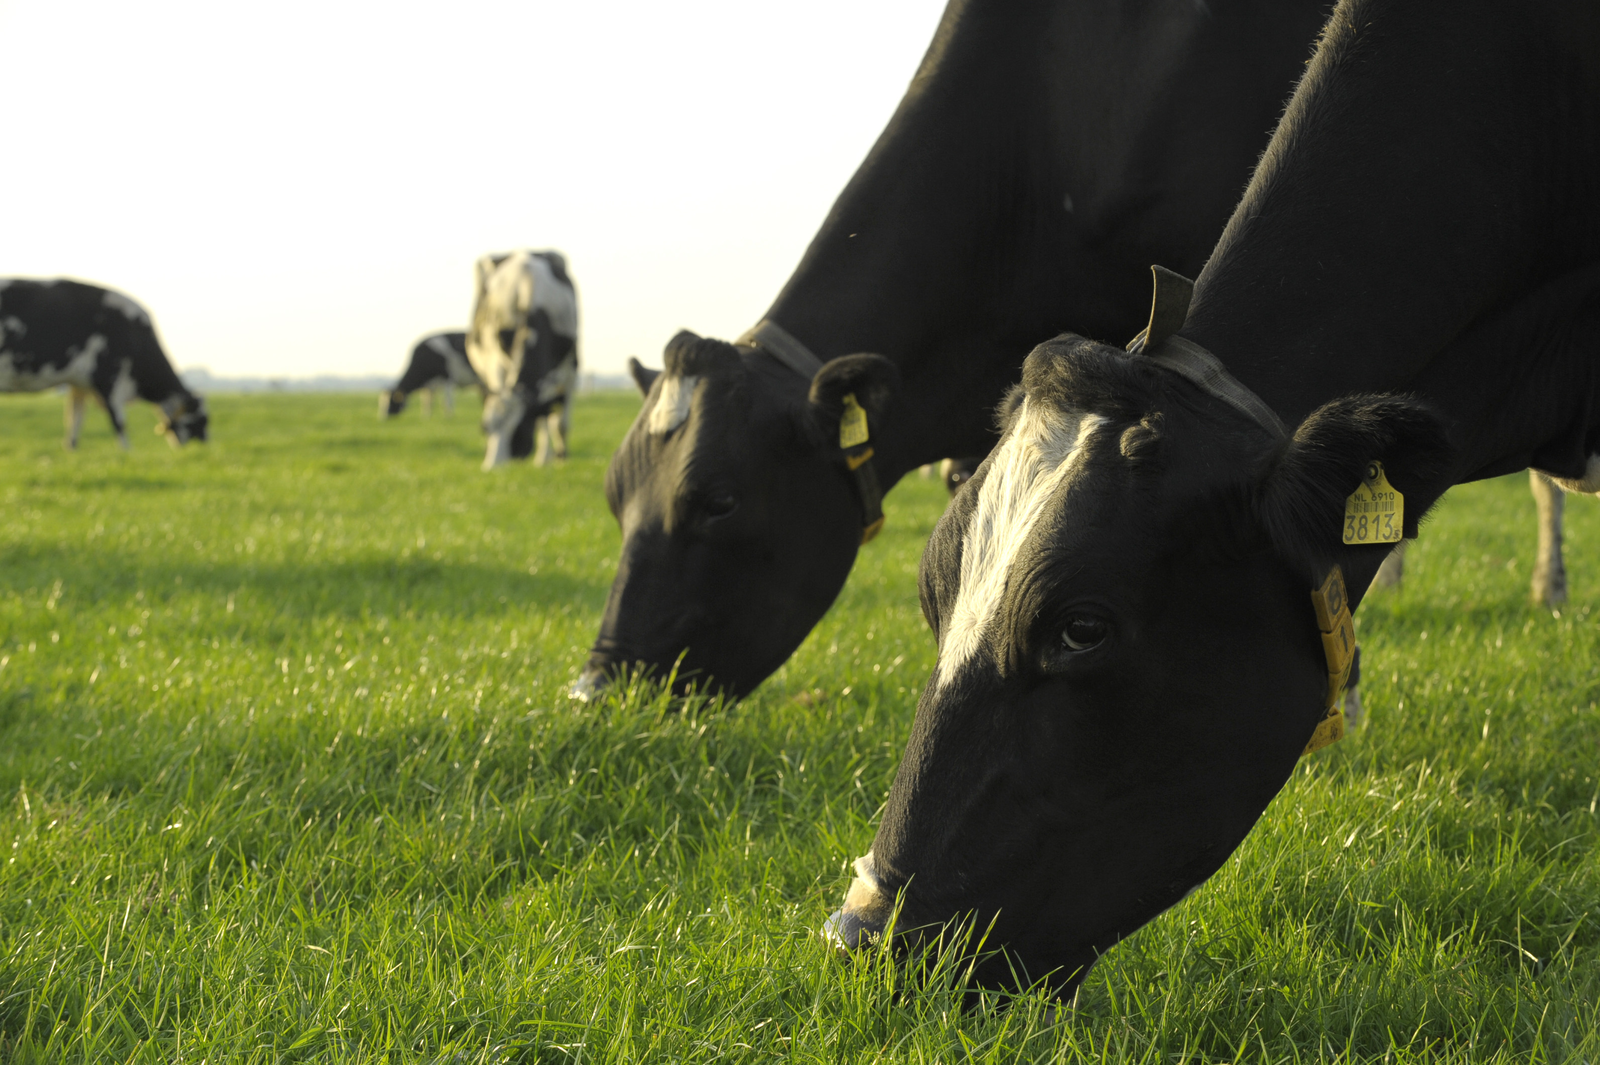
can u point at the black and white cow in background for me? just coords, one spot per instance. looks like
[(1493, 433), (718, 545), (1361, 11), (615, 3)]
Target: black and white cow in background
[(523, 344), (96, 342), (1045, 153), (438, 364), (1129, 661)]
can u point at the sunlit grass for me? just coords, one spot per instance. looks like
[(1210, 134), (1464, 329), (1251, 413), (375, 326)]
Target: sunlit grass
[(287, 773)]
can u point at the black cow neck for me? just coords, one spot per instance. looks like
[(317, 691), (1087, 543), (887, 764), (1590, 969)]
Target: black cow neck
[(1023, 188), (1382, 223)]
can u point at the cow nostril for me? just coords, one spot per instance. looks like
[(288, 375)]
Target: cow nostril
[(588, 685)]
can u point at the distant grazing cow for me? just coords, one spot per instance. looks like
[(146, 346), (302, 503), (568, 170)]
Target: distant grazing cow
[(524, 346), (96, 342), (1045, 153), (438, 364), (1140, 623)]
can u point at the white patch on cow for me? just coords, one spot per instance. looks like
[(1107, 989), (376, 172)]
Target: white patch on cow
[(12, 326), (672, 403), (1024, 476), (1590, 482), (125, 306)]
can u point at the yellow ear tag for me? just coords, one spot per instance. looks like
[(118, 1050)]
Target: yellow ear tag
[(1375, 513), (852, 423)]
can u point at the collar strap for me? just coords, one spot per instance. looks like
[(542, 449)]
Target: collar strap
[(1332, 607), (775, 340), (778, 342), (1169, 306), (1159, 341)]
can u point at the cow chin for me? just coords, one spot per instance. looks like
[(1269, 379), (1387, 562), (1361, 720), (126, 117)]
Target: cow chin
[(874, 917)]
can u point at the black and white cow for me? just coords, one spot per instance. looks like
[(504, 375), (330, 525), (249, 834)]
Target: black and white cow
[(96, 342), (1129, 660), (523, 344), (438, 364), (1045, 152)]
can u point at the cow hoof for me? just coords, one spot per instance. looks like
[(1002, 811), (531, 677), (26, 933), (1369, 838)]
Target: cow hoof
[(1552, 596)]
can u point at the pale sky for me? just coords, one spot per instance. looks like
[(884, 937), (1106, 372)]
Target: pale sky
[(302, 187)]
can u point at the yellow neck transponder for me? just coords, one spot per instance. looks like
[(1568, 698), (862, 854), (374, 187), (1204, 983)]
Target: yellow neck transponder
[(1332, 606), (854, 440)]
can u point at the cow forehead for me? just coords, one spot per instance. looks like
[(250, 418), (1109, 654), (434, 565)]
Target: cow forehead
[(1026, 474)]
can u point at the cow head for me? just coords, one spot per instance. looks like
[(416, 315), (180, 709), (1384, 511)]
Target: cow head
[(183, 418), (740, 517), (391, 403), (503, 413), (1129, 663)]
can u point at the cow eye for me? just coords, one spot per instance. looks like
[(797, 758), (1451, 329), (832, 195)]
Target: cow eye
[(720, 504), (1083, 632)]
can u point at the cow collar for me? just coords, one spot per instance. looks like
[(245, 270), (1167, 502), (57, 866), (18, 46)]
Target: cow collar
[(1158, 341), (778, 342)]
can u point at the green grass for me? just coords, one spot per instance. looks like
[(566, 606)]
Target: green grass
[(287, 774)]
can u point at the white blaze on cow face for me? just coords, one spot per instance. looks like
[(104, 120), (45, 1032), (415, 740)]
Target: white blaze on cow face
[(1025, 474), (673, 402)]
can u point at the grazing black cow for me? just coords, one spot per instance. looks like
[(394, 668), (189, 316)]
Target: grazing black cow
[(1044, 153), (438, 364), (1407, 298), (523, 344), (96, 342)]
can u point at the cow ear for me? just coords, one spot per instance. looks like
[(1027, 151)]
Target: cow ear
[(642, 376), (872, 379), (1301, 500)]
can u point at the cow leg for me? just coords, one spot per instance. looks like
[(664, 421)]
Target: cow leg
[(1354, 712), (449, 399), (74, 416), (541, 434), (427, 402), (563, 428), (1549, 585), (1393, 570), (116, 407)]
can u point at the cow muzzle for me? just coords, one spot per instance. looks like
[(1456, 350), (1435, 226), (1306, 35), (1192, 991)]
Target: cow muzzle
[(866, 912), (588, 685)]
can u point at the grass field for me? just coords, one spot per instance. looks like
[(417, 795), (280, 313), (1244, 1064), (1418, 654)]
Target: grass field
[(287, 774)]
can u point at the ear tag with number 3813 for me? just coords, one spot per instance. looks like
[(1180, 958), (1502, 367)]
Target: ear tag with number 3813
[(1374, 513), (852, 423)]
